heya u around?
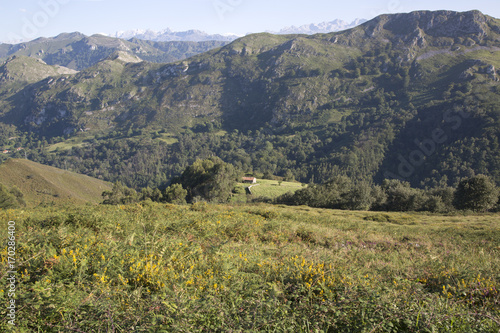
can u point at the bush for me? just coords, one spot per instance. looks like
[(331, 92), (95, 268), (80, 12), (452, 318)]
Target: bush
[(175, 194), (401, 197), (12, 198), (211, 179), (478, 194), (120, 194)]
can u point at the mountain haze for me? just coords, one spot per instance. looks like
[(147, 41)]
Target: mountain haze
[(199, 36), (324, 27), (168, 35)]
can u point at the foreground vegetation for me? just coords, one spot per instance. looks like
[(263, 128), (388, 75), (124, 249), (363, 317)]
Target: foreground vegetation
[(159, 267)]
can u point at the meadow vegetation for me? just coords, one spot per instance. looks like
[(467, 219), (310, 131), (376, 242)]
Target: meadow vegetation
[(160, 267)]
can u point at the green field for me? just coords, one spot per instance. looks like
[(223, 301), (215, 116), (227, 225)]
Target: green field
[(168, 138), (238, 268), (65, 145), (274, 188), (265, 188)]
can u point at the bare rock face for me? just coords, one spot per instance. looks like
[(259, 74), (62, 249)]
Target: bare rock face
[(443, 27), (440, 23)]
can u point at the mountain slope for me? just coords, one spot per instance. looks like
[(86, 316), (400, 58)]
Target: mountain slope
[(77, 51), (279, 78), (21, 70), (40, 183), (363, 102)]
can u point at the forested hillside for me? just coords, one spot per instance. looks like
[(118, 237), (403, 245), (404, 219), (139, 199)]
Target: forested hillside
[(408, 96)]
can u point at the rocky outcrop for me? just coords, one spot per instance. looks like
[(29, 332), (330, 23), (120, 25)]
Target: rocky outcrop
[(443, 27)]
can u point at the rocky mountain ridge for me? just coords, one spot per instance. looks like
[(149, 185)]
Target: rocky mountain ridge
[(77, 51)]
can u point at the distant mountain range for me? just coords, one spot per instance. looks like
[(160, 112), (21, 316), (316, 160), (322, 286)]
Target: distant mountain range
[(78, 51), (324, 27), (168, 35)]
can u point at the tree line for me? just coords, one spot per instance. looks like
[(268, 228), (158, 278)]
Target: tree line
[(210, 180), (477, 194), (213, 180)]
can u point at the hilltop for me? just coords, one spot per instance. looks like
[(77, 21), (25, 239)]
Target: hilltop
[(386, 99), (44, 184), (78, 51)]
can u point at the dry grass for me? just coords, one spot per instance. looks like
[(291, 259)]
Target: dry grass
[(44, 184)]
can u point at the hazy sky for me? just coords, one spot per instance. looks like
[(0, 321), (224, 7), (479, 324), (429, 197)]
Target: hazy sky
[(29, 19)]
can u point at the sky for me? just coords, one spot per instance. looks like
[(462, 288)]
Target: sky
[(29, 19)]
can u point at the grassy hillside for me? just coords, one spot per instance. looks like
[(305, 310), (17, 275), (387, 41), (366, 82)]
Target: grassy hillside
[(43, 184), (202, 268)]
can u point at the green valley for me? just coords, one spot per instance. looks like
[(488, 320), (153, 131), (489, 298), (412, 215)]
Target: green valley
[(336, 182), (364, 103)]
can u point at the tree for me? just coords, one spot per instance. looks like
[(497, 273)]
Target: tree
[(477, 193), (360, 197), (120, 194), (289, 177), (153, 194), (175, 194), (211, 179), (401, 197)]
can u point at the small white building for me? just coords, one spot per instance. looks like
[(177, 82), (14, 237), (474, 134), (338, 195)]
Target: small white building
[(251, 180)]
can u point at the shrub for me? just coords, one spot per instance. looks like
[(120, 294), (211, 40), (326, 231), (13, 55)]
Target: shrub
[(478, 194), (12, 198), (175, 194), (120, 194)]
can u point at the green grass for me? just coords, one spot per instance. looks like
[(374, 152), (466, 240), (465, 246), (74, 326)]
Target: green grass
[(273, 188), (168, 138), (265, 188), (65, 145), (221, 133), (44, 184), (213, 268)]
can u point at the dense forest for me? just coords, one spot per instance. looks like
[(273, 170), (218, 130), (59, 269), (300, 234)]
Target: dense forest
[(307, 153)]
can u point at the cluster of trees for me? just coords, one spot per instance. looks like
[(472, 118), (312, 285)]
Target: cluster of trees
[(213, 180), (11, 197), (209, 180), (478, 194), (121, 194)]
